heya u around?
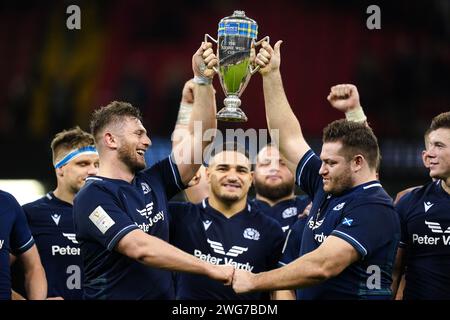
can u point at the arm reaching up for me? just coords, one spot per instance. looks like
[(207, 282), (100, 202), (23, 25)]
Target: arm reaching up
[(279, 114)]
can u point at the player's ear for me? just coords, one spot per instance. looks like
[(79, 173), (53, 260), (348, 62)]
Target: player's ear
[(59, 172), (357, 162), (208, 174), (110, 140)]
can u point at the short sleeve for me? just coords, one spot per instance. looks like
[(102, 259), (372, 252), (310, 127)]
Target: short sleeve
[(166, 172), (21, 238), (365, 227), (307, 173), (402, 209), (102, 220)]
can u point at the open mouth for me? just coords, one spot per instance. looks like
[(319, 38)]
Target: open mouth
[(140, 152)]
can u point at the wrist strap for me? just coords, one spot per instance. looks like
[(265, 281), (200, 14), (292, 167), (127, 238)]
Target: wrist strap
[(203, 81), (184, 114), (356, 115)]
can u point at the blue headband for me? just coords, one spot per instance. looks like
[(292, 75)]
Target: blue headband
[(74, 154)]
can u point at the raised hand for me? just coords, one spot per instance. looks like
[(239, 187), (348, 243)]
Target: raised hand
[(204, 60), (268, 58), (344, 97)]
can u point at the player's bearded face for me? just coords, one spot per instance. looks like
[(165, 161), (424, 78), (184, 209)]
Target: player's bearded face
[(128, 155), (335, 170), (273, 180)]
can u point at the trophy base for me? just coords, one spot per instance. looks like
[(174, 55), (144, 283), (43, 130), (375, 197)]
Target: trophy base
[(231, 115)]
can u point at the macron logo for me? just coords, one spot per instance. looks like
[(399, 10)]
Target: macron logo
[(1, 243), (56, 218), (427, 205), (206, 224)]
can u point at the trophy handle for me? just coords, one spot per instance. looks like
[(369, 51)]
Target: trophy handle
[(254, 70), (215, 41)]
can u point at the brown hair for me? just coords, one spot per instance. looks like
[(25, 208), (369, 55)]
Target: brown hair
[(440, 121), (356, 138), (68, 140), (113, 112)]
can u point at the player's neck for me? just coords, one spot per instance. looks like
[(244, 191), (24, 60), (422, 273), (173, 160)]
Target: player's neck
[(364, 177), (445, 183), (273, 202), (63, 194), (115, 170), (228, 209)]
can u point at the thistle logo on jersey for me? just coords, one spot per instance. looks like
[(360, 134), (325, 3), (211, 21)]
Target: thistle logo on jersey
[(145, 188), (339, 206), (56, 218), (147, 211), (289, 212), (436, 227), (251, 234), (233, 252), (71, 237), (1, 243)]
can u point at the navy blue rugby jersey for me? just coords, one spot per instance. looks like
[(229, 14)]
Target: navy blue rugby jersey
[(285, 212), (51, 223), (249, 240), (105, 210), (15, 238), (425, 221), (364, 217)]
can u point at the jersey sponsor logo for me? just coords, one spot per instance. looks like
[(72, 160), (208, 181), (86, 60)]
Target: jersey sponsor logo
[(347, 222), (71, 237), (56, 218), (215, 260), (289, 212), (206, 224), (314, 224), (436, 227), (233, 252), (339, 206), (151, 221), (101, 219), (147, 211), (1, 243), (145, 187), (320, 237), (427, 205), (251, 234), (65, 251)]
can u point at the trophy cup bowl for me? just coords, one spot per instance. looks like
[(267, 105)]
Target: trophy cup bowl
[(236, 37)]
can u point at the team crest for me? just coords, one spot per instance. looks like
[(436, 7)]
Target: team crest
[(251, 234), (339, 206), (289, 212)]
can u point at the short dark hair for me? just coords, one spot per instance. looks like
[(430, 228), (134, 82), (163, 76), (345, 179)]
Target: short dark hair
[(356, 138), (113, 112), (440, 121), (227, 146), (70, 139)]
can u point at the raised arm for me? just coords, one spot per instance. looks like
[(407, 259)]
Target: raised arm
[(202, 122), (279, 114), (345, 98)]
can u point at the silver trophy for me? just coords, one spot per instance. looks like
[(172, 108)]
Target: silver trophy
[(236, 36)]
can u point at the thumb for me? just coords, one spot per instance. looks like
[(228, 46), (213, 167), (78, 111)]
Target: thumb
[(277, 46)]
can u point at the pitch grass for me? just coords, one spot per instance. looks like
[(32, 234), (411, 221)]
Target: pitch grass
[(234, 75)]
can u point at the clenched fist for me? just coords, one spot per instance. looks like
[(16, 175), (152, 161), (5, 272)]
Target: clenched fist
[(344, 97)]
